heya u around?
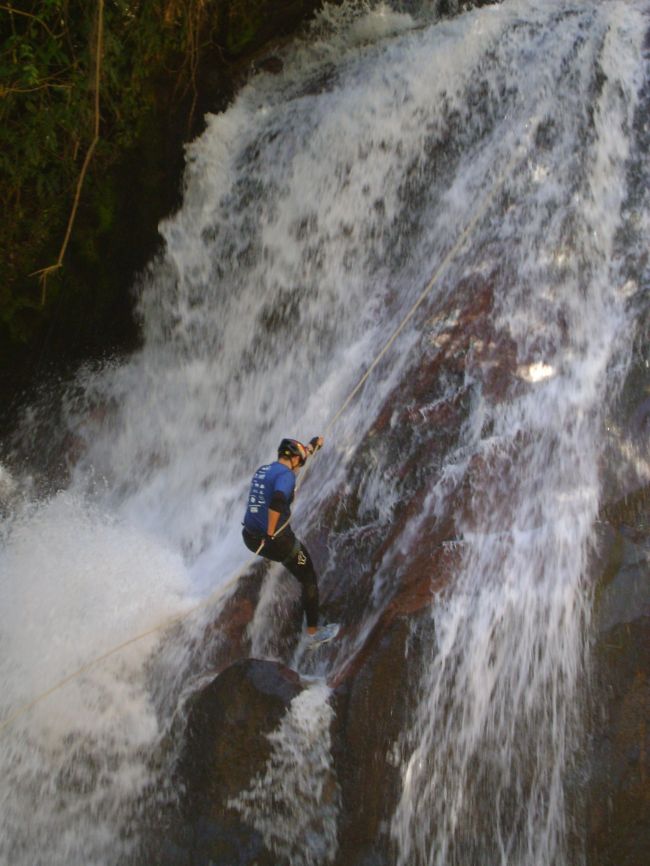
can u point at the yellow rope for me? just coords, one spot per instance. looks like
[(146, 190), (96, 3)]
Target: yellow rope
[(220, 591), (434, 279), (177, 618), (26, 707)]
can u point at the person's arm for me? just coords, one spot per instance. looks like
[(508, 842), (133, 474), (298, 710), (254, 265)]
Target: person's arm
[(272, 525), (276, 507), (315, 444), (279, 500)]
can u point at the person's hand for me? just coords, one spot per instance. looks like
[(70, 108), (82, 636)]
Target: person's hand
[(315, 444)]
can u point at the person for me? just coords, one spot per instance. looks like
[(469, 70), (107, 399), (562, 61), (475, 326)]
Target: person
[(267, 531)]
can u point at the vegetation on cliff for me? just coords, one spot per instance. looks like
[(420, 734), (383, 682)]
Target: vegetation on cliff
[(96, 100), (79, 89)]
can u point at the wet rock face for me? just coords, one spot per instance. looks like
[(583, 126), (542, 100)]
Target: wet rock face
[(225, 746), (373, 708), (226, 723), (618, 793), (619, 788), (366, 574), (403, 451), (246, 25)]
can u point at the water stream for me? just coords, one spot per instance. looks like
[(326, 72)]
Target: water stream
[(316, 209)]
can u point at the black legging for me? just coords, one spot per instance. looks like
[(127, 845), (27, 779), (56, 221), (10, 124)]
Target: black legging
[(296, 559)]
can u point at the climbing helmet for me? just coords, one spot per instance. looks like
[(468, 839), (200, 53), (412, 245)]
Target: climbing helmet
[(292, 448)]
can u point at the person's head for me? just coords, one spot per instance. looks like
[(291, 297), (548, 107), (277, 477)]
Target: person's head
[(292, 452)]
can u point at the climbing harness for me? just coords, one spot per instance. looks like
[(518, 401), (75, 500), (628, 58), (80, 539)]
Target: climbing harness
[(221, 591)]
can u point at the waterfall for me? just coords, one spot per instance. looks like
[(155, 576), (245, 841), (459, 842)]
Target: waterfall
[(316, 208), (294, 803), (497, 730)]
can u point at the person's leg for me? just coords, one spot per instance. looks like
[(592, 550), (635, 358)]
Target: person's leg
[(251, 541), (276, 550), (300, 565), (296, 559)]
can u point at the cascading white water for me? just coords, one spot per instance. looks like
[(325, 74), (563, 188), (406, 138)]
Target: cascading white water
[(496, 732), (294, 803), (73, 767), (316, 208)]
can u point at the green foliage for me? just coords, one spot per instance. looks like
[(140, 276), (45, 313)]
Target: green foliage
[(48, 60), (148, 64)]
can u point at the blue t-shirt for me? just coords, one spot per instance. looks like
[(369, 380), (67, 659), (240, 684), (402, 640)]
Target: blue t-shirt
[(269, 479)]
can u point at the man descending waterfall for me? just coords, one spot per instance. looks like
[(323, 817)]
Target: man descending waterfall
[(266, 522)]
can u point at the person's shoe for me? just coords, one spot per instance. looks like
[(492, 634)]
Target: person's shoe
[(322, 634)]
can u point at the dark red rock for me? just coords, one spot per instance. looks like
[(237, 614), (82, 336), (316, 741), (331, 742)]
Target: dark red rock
[(618, 789), (224, 748), (226, 722), (366, 566), (228, 637), (372, 710), (618, 793)]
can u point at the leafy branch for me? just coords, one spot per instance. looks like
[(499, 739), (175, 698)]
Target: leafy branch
[(10, 9), (46, 85)]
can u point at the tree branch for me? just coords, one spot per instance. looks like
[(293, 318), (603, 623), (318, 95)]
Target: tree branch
[(45, 272), (12, 11), (46, 85)]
